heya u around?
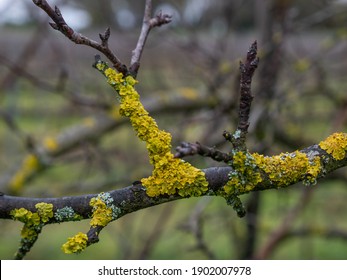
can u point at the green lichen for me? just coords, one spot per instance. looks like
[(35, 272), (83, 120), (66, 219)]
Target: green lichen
[(75, 244), (335, 145), (170, 175)]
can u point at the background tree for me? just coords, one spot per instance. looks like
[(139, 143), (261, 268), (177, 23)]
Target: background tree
[(84, 146)]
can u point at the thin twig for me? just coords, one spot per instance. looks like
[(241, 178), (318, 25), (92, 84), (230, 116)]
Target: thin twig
[(190, 149), (247, 70), (238, 139), (60, 25), (147, 25)]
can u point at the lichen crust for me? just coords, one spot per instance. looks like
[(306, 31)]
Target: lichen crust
[(287, 168), (170, 175), (245, 174), (75, 244), (30, 165), (104, 211), (335, 145), (33, 224), (66, 214)]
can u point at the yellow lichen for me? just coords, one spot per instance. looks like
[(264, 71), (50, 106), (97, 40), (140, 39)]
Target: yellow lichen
[(104, 211), (288, 168), (335, 145), (188, 93), (170, 175), (43, 214), (45, 211), (25, 216), (89, 122), (75, 244), (102, 214), (244, 176), (313, 171), (50, 144), (28, 233), (33, 223), (30, 165), (17, 181), (31, 162)]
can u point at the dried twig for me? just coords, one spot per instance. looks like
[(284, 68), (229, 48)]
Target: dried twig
[(190, 149), (60, 25), (147, 25), (238, 139)]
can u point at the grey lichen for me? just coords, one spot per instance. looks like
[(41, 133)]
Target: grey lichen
[(66, 214)]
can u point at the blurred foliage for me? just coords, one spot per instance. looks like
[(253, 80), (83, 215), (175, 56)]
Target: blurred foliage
[(300, 98)]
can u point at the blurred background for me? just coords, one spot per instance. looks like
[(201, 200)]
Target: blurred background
[(55, 106)]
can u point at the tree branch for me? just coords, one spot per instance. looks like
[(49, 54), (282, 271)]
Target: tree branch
[(60, 25), (147, 25), (190, 149), (238, 139), (94, 128), (133, 198)]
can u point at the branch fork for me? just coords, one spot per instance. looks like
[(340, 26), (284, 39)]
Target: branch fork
[(60, 24), (238, 138)]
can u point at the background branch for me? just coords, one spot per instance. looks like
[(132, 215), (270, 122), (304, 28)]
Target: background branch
[(147, 24), (60, 25)]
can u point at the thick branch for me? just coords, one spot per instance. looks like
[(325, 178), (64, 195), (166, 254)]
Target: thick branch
[(133, 198), (129, 199)]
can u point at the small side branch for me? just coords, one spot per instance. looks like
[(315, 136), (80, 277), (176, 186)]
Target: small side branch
[(247, 70), (190, 149), (60, 25), (238, 138), (147, 25)]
